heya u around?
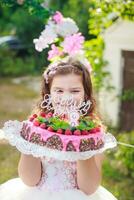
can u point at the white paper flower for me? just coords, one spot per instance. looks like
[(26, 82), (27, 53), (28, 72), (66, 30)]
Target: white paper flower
[(40, 44), (66, 27), (49, 34)]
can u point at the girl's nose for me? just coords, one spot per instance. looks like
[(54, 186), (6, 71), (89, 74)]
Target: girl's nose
[(67, 96)]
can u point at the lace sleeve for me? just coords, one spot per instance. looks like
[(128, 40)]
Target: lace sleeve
[(12, 134)]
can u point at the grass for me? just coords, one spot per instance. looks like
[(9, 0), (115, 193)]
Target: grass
[(116, 180), (16, 100), (9, 158)]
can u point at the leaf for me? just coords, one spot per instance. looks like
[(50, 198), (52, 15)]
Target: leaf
[(81, 126), (57, 123), (86, 124), (54, 127), (41, 119)]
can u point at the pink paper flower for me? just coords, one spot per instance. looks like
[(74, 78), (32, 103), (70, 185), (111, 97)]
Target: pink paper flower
[(57, 17), (73, 43), (54, 52)]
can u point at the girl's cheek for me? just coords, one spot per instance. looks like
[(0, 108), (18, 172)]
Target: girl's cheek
[(79, 100), (79, 97)]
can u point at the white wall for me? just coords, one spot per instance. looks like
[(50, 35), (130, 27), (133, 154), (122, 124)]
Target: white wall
[(117, 38)]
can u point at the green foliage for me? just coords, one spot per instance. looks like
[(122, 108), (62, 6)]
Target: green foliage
[(104, 13), (26, 26), (14, 66), (86, 125), (56, 123), (115, 180), (77, 10), (81, 14), (16, 20), (42, 119), (110, 171), (33, 7), (128, 95), (94, 52), (126, 154), (19, 22)]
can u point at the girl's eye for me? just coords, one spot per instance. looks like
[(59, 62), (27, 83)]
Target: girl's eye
[(75, 91), (59, 91)]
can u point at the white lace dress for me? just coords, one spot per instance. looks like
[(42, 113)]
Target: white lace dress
[(58, 182)]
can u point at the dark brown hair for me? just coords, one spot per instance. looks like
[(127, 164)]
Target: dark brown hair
[(70, 66)]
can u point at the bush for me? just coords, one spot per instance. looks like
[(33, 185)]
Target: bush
[(125, 155), (11, 65)]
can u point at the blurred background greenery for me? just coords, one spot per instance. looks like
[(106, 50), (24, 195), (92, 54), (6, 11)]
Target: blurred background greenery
[(21, 66)]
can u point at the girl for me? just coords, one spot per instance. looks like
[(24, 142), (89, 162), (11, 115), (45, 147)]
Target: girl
[(51, 179)]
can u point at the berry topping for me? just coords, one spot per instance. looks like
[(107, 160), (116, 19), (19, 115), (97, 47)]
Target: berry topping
[(49, 115), (42, 114), (34, 115), (36, 123), (94, 130), (31, 119), (43, 125), (60, 131), (68, 132), (77, 132), (50, 129), (98, 129), (84, 132)]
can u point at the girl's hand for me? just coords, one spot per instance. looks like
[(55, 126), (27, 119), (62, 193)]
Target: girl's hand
[(30, 169), (89, 173)]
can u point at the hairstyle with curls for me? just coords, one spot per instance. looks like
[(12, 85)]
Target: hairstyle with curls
[(63, 68)]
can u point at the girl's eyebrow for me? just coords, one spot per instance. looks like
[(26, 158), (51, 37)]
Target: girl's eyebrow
[(70, 88), (76, 88)]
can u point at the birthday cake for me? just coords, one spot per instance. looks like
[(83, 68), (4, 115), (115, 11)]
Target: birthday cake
[(56, 133)]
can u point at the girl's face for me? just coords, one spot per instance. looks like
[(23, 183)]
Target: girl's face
[(65, 86)]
